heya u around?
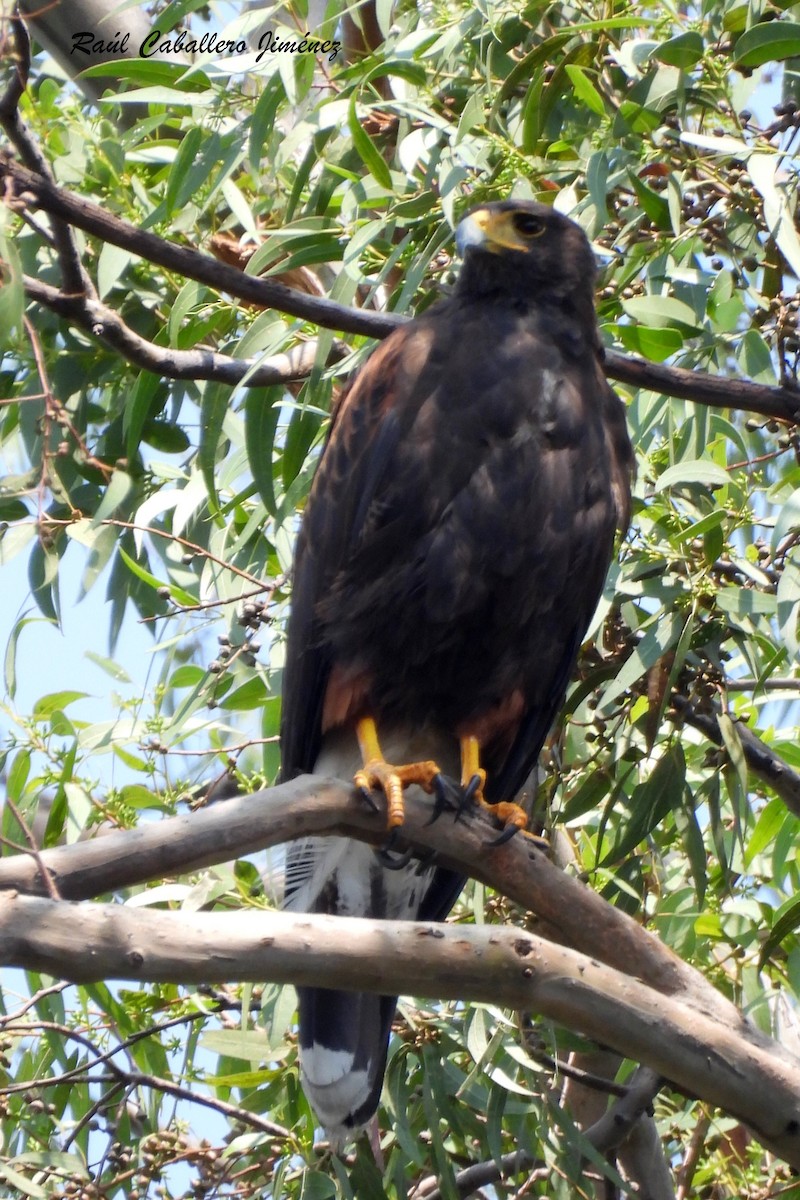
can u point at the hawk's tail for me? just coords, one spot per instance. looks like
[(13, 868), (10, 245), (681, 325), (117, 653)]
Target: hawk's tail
[(344, 1039)]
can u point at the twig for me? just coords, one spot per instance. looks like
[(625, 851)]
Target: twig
[(32, 1001), (201, 551), (33, 850), (773, 684), (761, 760), (605, 1134), (692, 1155), (134, 1078), (616, 1124), (74, 278), (192, 264), (479, 1175), (102, 322)]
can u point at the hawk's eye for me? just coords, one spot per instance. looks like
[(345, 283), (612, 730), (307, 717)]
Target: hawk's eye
[(528, 225)]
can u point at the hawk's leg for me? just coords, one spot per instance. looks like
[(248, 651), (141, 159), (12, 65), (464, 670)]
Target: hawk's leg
[(473, 780), (377, 773)]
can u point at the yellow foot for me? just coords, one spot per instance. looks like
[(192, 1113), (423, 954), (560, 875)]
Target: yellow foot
[(511, 816), (392, 780), (377, 773), (473, 781)]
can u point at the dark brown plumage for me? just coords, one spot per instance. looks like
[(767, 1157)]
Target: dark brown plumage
[(452, 552)]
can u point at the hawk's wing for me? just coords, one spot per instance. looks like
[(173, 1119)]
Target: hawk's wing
[(470, 443)]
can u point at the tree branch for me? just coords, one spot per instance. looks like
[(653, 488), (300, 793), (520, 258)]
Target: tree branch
[(754, 1080), (760, 758), (192, 264), (566, 910), (94, 317), (781, 403), (74, 277)]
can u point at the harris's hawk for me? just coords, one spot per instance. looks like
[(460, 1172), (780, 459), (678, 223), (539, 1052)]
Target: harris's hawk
[(452, 552)]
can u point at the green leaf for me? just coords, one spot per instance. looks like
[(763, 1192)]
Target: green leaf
[(683, 50), (316, 1186), (660, 636), (108, 665), (366, 149), (111, 264), (733, 745), (213, 410), (187, 676), (262, 408), (182, 182), (12, 296), (136, 796), (21, 1184), (262, 121), (754, 358), (142, 399), (45, 706), (165, 436), (119, 488), (787, 920), (692, 471), (778, 212), (471, 114), (746, 602), (660, 794), (655, 344), (43, 579), (584, 90), (176, 593), (771, 820), (12, 509), (767, 42), (788, 519), (250, 695), (661, 311), (250, 1045), (18, 775), (655, 205)]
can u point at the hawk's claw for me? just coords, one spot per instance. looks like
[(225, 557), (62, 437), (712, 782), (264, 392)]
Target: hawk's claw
[(366, 795), (471, 792), (443, 789), (510, 816), (390, 861), (425, 860), (506, 836), (394, 863)]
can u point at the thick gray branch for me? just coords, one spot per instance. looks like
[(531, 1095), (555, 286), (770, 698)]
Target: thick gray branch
[(566, 910), (757, 1082)]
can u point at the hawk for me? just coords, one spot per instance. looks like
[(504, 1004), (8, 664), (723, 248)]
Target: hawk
[(452, 552)]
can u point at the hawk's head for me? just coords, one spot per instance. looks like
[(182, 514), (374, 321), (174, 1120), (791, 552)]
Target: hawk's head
[(524, 247)]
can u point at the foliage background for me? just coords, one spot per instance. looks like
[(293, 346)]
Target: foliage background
[(177, 499)]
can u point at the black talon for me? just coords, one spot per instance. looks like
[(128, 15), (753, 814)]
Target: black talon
[(366, 795), (397, 863), (426, 860), (471, 791), (504, 837), (468, 793), (442, 790)]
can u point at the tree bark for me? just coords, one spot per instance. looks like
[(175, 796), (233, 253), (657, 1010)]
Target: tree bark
[(700, 1055), (566, 911)]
